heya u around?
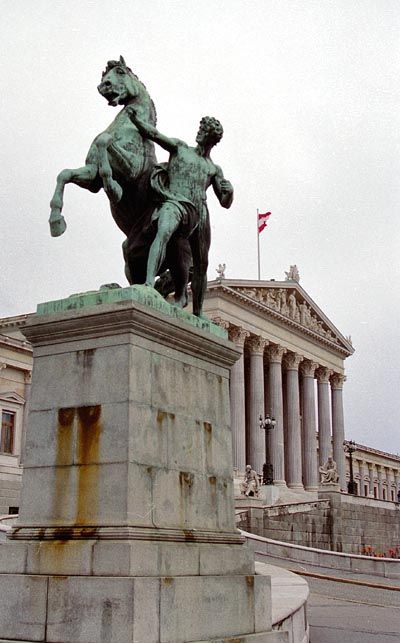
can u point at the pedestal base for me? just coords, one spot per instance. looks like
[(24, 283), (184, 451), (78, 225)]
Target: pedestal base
[(126, 531)]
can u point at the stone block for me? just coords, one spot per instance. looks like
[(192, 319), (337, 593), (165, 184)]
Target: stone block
[(146, 618), (87, 609), (198, 608), (13, 557), (60, 557), (119, 558), (178, 559), (97, 375), (140, 500), (78, 435), (23, 607), (263, 599), (148, 435), (226, 559)]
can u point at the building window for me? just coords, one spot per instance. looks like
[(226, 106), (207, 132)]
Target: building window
[(7, 432), (375, 492), (384, 494), (366, 490), (392, 494)]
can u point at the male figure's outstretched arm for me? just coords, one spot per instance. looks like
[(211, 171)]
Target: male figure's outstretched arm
[(222, 188), (151, 132)]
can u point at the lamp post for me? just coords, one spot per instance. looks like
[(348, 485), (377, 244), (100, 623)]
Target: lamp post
[(267, 424), (349, 447)]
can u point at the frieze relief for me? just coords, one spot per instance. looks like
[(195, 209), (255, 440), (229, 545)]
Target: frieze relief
[(290, 305)]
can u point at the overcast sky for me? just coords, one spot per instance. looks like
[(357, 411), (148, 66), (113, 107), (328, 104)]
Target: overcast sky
[(308, 93)]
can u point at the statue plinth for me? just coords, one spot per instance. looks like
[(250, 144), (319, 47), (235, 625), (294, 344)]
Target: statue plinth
[(126, 529)]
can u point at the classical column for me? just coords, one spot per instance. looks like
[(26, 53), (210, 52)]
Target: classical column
[(310, 464), (237, 401), (256, 408), (324, 416), (337, 380), (276, 402), (371, 480), (293, 445), (363, 474), (380, 481), (396, 482)]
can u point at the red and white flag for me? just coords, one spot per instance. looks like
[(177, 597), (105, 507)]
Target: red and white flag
[(262, 220)]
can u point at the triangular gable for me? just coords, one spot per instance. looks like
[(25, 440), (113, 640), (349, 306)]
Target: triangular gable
[(12, 397), (289, 303)]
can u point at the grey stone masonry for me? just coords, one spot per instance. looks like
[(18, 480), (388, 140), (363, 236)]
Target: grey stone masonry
[(329, 523), (126, 529)]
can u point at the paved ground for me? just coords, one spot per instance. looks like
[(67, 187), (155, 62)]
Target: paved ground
[(344, 612)]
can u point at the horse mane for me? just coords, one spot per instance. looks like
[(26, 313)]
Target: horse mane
[(111, 64)]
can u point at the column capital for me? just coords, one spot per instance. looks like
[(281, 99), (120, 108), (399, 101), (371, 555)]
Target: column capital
[(337, 381), (238, 335), (276, 352), (308, 368), (323, 374), (257, 344), (292, 361), (223, 323)]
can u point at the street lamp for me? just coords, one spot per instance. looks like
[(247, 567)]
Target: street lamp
[(349, 447), (267, 424)]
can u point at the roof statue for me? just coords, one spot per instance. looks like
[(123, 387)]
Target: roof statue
[(161, 209), (221, 270), (292, 274)]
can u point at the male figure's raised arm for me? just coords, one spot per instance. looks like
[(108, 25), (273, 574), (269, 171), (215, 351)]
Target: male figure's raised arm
[(222, 188), (151, 132)]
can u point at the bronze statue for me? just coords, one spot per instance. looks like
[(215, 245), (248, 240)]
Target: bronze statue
[(161, 209), (181, 187)]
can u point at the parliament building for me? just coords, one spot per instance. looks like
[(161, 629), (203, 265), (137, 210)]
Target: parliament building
[(291, 368)]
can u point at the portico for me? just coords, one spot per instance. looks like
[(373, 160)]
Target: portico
[(292, 368)]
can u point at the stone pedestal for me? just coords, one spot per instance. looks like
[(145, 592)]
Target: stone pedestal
[(126, 529)]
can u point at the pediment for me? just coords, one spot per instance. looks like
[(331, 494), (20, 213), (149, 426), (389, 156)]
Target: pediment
[(289, 303), (11, 396)]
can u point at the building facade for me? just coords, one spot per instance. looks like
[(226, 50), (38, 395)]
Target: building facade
[(292, 368), (15, 384)]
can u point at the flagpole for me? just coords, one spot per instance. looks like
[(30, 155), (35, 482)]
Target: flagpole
[(258, 247)]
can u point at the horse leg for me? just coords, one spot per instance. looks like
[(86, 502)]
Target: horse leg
[(128, 274), (82, 176), (111, 187)]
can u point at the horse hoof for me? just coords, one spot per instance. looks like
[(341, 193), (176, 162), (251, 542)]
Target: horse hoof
[(57, 225)]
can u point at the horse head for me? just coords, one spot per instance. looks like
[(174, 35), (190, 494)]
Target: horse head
[(120, 86)]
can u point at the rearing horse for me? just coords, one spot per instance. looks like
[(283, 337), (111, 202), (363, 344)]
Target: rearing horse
[(120, 161)]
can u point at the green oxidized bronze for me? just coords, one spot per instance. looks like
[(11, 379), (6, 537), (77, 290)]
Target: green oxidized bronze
[(161, 208)]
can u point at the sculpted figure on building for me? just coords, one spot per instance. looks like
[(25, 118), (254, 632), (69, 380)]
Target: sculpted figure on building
[(251, 483), (328, 471)]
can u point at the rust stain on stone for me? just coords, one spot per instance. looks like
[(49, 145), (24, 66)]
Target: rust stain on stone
[(167, 580), (88, 450), (250, 581), (63, 459)]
